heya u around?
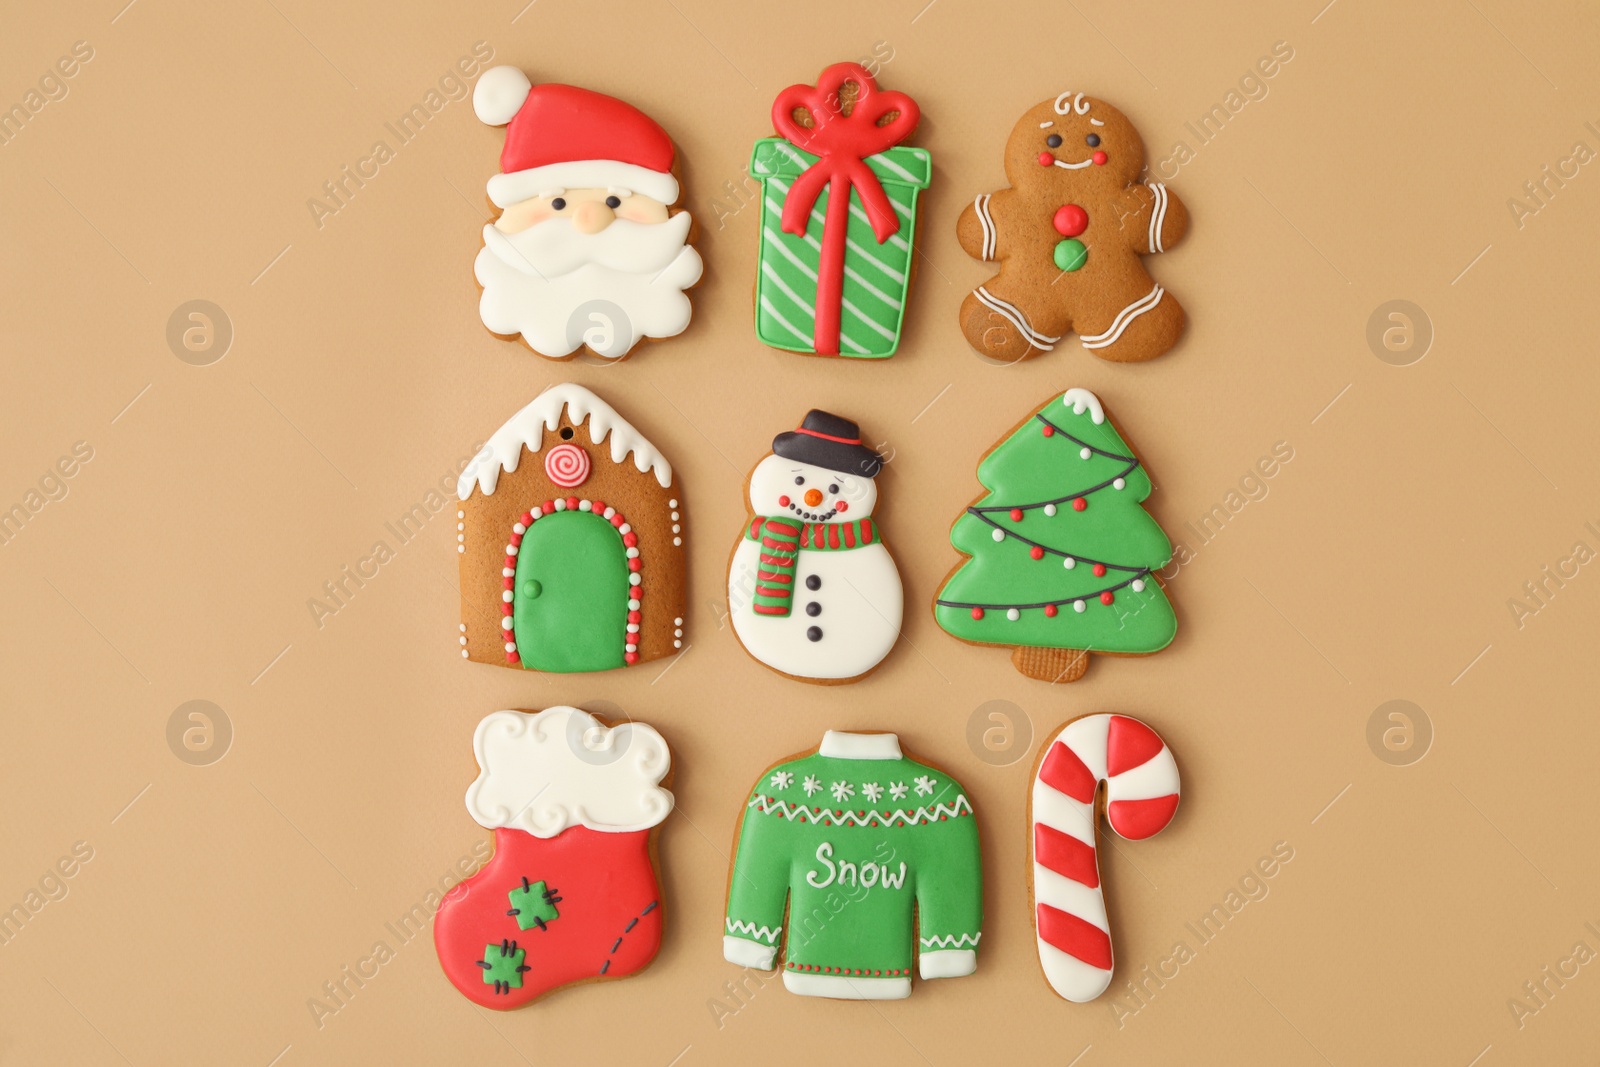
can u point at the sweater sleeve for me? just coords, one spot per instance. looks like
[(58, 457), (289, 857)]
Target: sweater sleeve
[(949, 898), (758, 891)]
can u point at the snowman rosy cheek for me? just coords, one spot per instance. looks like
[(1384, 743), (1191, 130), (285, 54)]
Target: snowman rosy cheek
[(783, 501), (841, 506)]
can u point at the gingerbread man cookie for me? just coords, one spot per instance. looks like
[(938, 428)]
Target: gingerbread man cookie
[(1068, 235)]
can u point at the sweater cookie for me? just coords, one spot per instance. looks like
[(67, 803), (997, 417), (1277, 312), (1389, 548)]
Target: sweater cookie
[(571, 893), (1068, 234), (871, 860)]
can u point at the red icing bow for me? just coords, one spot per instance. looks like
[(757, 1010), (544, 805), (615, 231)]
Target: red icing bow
[(842, 142)]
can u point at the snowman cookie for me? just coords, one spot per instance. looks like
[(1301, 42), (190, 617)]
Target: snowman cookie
[(1068, 235), (812, 591), (571, 893)]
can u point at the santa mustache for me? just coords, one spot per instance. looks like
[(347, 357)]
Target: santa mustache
[(555, 247)]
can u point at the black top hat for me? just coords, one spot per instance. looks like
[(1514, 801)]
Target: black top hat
[(825, 440)]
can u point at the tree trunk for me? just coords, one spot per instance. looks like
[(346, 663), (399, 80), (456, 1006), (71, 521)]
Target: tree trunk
[(1050, 664)]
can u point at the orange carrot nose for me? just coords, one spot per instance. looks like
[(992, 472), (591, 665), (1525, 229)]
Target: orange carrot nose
[(813, 497)]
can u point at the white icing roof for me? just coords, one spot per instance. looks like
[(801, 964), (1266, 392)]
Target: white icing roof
[(527, 428)]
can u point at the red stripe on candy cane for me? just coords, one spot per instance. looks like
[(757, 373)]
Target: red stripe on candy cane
[(1065, 855), (1141, 777), (1064, 772), (1079, 939)]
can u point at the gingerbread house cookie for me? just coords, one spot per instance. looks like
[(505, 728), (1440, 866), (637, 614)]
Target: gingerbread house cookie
[(570, 534)]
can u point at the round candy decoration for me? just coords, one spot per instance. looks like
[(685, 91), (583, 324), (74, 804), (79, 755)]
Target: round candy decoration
[(1071, 220), (1070, 254), (567, 466)]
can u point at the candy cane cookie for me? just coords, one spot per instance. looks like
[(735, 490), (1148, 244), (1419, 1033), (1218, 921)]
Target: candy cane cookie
[(1141, 797)]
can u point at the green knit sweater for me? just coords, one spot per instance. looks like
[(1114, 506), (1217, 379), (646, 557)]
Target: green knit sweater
[(868, 856)]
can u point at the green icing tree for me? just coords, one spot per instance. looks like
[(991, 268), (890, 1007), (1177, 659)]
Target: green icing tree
[(1062, 550)]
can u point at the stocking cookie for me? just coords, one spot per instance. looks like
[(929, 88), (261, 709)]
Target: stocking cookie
[(873, 859), (812, 591), (1062, 553), (838, 216), (571, 893), (570, 534), (1141, 797), (1068, 234), (588, 249)]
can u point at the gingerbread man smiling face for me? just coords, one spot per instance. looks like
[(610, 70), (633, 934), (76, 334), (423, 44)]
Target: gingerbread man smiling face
[(1068, 235)]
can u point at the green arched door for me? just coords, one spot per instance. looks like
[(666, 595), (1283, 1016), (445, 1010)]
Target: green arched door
[(570, 604)]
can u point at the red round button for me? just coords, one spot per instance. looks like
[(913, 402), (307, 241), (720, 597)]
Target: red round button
[(1071, 220)]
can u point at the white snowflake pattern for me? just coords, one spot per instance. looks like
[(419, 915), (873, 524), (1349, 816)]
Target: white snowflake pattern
[(782, 780), (924, 784), (897, 790), (810, 785), (843, 791), (872, 791)]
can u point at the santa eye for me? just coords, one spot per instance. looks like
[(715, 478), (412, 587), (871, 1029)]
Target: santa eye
[(1093, 140), (1054, 140), (799, 481), (833, 489), (558, 203), (613, 202)]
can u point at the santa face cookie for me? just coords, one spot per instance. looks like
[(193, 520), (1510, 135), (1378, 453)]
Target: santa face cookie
[(1062, 554), (587, 250), (812, 591), (1068, 235), (873, 859), (1140, 799), (571, 539), (838, 216), (571, 893)]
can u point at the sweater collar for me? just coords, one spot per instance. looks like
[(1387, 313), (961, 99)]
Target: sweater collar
[(840, 745)]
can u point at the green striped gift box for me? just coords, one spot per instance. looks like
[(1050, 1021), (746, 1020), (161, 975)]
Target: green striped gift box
[(876, 277)]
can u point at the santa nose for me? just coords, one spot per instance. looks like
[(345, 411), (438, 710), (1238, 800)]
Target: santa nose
[(813, 497), (592, 216)]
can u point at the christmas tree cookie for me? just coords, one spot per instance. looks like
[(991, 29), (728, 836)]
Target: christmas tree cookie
[(571, 892), (1062, 553)]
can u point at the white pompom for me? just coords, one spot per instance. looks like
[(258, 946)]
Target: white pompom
[(499, 94)]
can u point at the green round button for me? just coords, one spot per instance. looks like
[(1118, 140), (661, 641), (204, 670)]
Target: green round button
[(531, 589), (1070, 254)]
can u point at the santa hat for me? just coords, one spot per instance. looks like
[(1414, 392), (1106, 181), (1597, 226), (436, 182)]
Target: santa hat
[(561, 137)]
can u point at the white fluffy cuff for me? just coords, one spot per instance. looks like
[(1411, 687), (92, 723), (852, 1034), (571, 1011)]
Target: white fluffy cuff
[(947, 963), (748, 953)]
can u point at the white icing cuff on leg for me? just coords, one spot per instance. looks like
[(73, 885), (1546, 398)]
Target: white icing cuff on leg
[(947, 963), (747, 953)]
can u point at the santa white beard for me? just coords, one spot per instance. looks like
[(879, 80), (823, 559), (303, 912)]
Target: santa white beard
[(631, 275)]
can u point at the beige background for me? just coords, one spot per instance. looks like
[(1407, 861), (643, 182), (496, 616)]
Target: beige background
[(220, 498)]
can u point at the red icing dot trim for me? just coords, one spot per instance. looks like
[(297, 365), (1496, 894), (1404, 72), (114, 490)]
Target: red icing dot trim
[(630, 539)]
